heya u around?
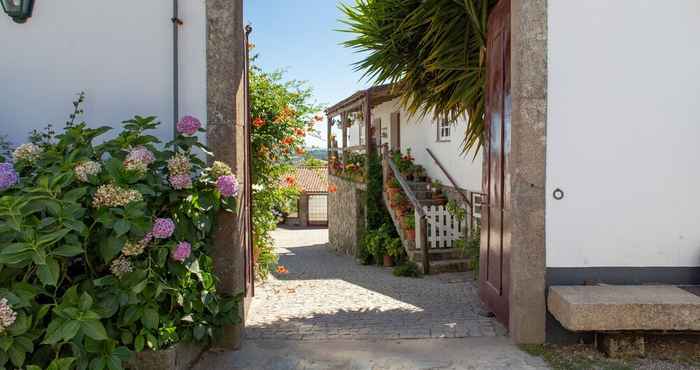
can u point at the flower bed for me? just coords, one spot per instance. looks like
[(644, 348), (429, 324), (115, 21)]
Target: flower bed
[(104, 249)]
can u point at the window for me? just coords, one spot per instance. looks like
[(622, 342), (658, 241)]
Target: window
[(362, 133), (444, 129)]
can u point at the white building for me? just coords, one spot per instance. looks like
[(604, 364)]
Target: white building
[(119, 53)]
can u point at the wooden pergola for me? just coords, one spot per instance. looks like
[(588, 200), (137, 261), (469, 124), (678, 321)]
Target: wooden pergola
[(361, 101)]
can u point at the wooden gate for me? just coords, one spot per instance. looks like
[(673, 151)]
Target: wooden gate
[(443, 227), (495, 237)]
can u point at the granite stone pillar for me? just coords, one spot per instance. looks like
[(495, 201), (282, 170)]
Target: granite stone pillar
[(527, 179), (225, 137)]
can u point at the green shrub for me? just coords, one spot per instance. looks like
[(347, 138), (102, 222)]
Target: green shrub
[(104, 249), (407, 269)]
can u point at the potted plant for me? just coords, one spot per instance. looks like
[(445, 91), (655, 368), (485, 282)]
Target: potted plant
[(397, 200), (421, 174), (409, 172), (394, 250), (410, 227), (393, 186)]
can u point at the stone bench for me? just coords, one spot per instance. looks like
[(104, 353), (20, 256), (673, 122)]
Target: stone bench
[(613, 309), (625, 308)]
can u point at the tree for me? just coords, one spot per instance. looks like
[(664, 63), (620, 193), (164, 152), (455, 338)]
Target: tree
[(433, 51)]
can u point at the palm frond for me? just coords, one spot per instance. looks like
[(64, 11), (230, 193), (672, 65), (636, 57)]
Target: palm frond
[(432, 50)]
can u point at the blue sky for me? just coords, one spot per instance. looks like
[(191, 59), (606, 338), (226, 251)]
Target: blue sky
[(299, 36)]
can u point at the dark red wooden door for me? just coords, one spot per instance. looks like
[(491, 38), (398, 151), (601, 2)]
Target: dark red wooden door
[(495, 238)]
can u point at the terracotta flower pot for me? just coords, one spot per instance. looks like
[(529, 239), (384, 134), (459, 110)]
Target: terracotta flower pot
[(410, 234), (388, 261)]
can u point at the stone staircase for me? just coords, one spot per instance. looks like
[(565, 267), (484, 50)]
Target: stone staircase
[(442, 260)]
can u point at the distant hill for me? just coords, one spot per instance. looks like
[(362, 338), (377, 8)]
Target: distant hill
[(319, 153)]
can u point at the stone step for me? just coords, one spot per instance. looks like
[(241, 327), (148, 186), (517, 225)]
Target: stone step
[(452, 265), (438, 254), (431, 202), (418, 185)]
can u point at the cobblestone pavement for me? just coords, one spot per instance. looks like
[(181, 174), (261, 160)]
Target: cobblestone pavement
[(327, 296)]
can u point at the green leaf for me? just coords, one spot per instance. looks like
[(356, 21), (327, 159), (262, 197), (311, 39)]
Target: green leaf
[(85, 301), (150, 318), (21, 325), (122, 227), (49, 273), (110, 248), (39, 257), (69, 329), (64, 363), (53, 237), (68, 250), (151, 341), (75, 225), (53, 331), (139, 343), (94, 329), (75, 194), (6, 342), (17, 356), (25, 343)]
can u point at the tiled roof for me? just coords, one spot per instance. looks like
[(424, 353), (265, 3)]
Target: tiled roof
[(309, 179)]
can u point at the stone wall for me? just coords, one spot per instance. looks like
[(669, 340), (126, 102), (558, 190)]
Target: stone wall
[(346, 215), (302, 219)]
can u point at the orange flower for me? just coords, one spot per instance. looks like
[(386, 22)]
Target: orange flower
[(288, 140), (300, 151), (290, 180), (258, 122), (332, 188), (282, 270), (299, 132), (318, 117)]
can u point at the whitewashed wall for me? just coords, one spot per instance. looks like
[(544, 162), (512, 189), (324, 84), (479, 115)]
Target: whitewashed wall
[(118, 52), (623, 133), (420, 133)]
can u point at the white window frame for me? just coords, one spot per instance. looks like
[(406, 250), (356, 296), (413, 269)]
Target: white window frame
[(444, 130)]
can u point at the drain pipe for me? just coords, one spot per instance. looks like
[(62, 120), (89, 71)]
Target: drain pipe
[(176, 65)]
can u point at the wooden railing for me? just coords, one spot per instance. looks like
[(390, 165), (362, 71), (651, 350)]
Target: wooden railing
[(421, 222)]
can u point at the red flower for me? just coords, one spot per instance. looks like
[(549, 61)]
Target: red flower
[(290, 180), (288, 140), (258, 122), (332, 188)]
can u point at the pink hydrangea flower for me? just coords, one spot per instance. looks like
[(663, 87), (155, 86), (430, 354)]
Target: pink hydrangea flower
[(181, 252), (179, 182), (141, 154), (163, 228), (227, 185), (188, 125)]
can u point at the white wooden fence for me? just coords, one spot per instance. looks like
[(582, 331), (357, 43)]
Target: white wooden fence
[(443, 227)]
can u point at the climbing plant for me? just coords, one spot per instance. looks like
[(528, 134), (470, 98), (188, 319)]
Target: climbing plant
[(282, 116), (434, 51)]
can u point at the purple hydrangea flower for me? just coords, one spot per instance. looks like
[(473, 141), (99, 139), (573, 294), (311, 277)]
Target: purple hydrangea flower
[(8, 176), (227, 185), (188, 125), (179, 182), (181, 252), (163, 228)]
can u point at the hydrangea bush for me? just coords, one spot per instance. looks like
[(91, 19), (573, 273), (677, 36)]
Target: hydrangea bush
[(104, 248)]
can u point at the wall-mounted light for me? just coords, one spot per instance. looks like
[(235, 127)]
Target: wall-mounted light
[(18, 10)]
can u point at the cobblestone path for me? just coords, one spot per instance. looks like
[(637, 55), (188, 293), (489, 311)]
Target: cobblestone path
[(327, 296)]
